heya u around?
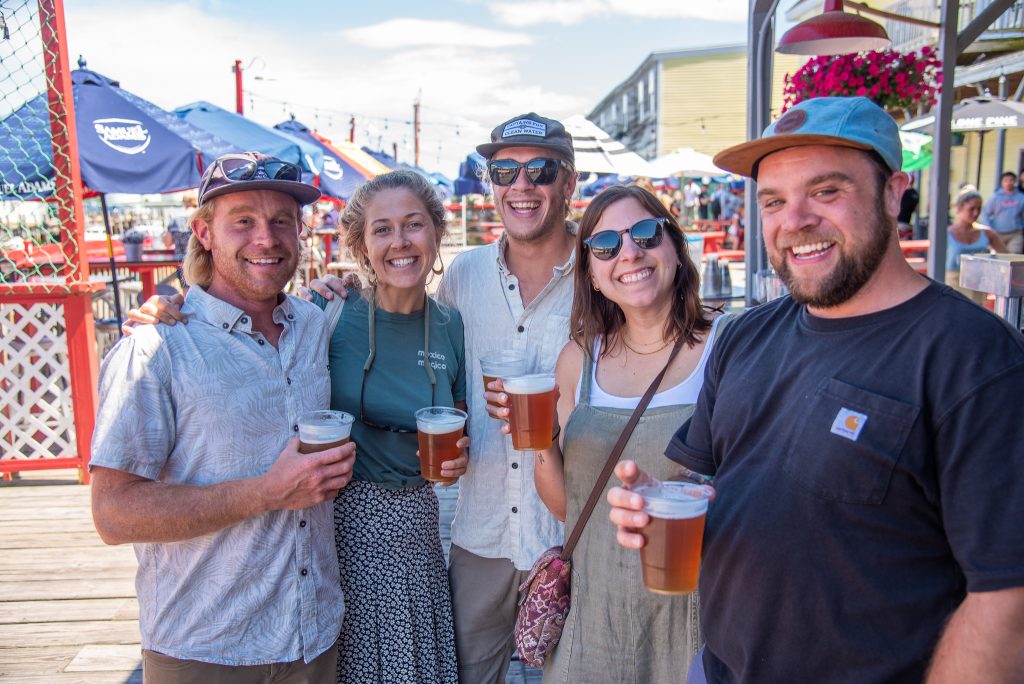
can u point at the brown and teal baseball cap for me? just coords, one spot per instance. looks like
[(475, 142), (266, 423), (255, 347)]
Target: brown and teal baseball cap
[(855, 122), (530, 130)]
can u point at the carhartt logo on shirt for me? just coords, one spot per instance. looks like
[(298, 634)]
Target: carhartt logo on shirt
[(848, 424)]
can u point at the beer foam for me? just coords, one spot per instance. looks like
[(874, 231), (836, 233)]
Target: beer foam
[(440, 425), (674, 500), (323, 427), (530, 384), (439, 421)]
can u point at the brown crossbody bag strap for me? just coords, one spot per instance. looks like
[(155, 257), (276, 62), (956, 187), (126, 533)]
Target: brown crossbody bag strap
[(613, 458)]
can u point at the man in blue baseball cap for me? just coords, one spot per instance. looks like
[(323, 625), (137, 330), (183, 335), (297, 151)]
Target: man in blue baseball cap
[(857, 534)]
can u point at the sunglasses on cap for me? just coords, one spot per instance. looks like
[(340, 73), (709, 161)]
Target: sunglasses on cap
[(647, 234), (540, 171), (239, 169)]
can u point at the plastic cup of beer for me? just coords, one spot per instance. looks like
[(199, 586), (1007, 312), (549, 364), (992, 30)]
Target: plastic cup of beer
[(320, 430), (502, 364), (531, 410), (439, 429), (670, 556)]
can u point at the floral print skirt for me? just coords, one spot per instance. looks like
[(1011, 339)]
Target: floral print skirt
[(398, 612)]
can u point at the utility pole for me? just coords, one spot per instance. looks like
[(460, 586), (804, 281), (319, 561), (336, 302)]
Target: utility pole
[(394, 150), (416, 129), (238, 86), (352, 129)]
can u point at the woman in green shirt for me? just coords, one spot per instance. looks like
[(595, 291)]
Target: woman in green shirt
[(394, 351)]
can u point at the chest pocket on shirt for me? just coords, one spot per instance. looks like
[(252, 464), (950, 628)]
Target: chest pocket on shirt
[(849, 443)]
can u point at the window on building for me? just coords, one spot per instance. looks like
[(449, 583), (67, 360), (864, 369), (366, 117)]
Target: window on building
[(650, 90), (640, 98), (625, 108)]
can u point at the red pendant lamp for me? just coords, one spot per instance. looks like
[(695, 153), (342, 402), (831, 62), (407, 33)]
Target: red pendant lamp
[(834, 32)]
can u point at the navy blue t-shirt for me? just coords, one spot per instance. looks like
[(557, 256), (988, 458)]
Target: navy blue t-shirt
[(868, 472)]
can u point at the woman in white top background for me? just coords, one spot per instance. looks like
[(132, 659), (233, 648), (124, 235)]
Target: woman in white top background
[(636, 293)]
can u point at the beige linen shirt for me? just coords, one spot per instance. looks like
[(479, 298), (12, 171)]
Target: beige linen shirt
[(499, 514)]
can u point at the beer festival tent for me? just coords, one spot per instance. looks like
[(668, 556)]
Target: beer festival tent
[(441, 182), (249, 136), (125, 144), (345, 167), (598, 152)]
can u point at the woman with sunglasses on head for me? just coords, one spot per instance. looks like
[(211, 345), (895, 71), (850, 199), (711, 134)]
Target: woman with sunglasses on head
[(636, 294)]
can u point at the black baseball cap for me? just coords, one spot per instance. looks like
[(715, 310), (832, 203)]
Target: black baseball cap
[(530, 130)]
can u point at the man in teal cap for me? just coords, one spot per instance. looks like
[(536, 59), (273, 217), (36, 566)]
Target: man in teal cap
[(867, 524)]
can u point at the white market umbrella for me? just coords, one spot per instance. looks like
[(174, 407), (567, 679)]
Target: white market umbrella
[(977, 114), (598, 152), (685, 161)]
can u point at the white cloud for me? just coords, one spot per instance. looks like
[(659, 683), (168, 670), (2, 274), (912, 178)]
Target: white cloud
[(460, 84), (408, 32), (568, 12)]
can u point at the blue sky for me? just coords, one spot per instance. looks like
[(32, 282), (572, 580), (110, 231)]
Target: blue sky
[(473, 62)]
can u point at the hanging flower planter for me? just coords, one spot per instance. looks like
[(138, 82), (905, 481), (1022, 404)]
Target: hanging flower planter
[(891, 79)]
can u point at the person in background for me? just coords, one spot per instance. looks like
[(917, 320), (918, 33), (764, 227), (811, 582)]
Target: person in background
[(855, 432), (1004, 213), (968, 237), (908, 205), (691, 195), (636, 293), (194, 458)]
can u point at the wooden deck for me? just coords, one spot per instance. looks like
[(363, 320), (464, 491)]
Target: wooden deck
[(68, 612), (67, 601)]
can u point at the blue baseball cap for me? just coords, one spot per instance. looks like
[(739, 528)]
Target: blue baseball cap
[(855, 122)]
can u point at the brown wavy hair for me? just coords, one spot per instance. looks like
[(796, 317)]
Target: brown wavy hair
[(593, 315)]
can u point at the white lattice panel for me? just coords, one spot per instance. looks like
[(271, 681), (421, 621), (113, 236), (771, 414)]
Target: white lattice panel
[(36, 418)]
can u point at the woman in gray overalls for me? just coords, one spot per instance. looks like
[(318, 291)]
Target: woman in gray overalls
[(636, 293)]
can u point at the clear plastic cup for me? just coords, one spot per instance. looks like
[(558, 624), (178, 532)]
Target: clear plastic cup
[(670, 556), (439, 429), (531, 410), (502, 364), (321, 430)]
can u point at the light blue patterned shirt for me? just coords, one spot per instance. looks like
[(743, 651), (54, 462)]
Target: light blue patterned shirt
[(205, 403)]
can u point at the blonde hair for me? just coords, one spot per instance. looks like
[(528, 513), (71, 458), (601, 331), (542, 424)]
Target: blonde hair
[(353, 219), (198, 264), (197, 268)]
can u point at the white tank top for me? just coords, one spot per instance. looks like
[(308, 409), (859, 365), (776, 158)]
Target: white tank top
[(686, 392)]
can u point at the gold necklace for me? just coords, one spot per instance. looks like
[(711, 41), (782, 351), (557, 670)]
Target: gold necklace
[(640, 353)]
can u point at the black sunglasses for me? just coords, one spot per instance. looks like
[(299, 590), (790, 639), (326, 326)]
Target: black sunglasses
[(647, 234), (239, 169), (540, 171)]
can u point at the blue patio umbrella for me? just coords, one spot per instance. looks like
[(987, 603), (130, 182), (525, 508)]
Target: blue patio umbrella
[(471, 172), (125, 144), (248, 135), (339, 178)]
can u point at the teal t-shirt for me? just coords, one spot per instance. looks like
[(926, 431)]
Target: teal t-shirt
[(396, 384)]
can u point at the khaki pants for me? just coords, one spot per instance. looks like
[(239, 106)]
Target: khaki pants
[(158, 668), (1014, 241), (485, 593)]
